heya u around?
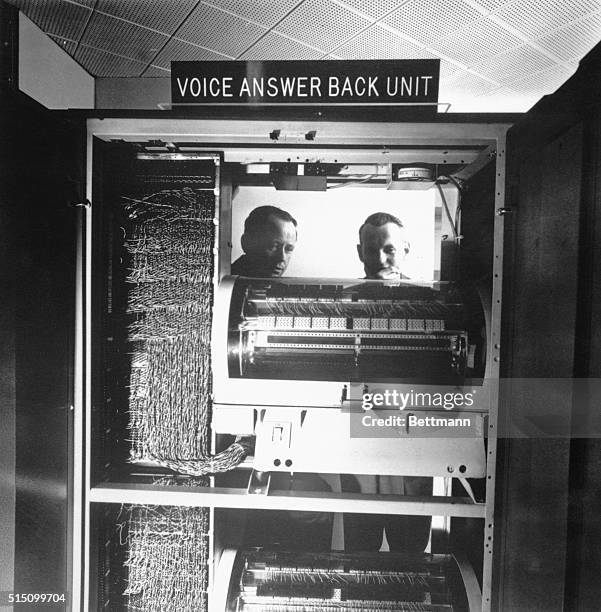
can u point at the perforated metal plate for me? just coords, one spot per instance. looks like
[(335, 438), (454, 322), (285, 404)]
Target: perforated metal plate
[(274, 46), (430, 21), (377, 42), (574, 40), (164, 16), (475, 43), (511, 65), (123, 38), (105, 64), (322, 24), (447, 69), (374, 9), (60, 18), (156, 72), (178, 50), (263, 13), (548, 15), (493, 5), (543, 82), (463, 83), (69, 46), (219, 31)]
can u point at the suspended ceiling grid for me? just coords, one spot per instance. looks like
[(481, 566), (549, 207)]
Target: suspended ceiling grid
[(496, 55)]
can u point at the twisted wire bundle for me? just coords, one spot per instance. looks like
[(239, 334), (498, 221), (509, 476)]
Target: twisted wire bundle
[(170, 241), (167, 558)]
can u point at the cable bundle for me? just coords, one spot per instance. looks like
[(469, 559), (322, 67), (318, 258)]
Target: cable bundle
[(167, 558), (170, 241)]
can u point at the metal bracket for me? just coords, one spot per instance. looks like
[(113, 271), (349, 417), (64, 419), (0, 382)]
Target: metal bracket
[(258, 483)]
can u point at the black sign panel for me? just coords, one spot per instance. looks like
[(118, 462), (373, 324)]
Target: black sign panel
[(355, 82)]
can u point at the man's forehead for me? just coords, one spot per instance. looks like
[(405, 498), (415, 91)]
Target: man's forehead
[(279, 227), (381, 233)]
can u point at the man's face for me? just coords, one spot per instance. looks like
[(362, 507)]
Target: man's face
[(381, 250), (269, 250)]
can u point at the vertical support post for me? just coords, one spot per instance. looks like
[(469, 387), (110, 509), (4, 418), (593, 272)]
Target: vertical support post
[(493, 369)]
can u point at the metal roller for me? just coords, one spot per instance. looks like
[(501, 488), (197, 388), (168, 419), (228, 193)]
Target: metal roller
[(265, 581)]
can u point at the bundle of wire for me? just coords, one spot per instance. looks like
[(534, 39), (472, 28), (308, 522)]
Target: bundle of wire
[(167, 558), (274, 581), (170, 239)]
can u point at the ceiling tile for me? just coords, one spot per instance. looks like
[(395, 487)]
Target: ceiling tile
[(476, 43), (58, 17), (511, 65), (104, 64), (322, 24), (574, 40), (374, 9), (164, 16), (178, 51), (447, 69), (465, 83), (493, 5), (430, 21), (212, 28), (156, 72), (273, 46), (66, 45), (542, 83), (87, 3), (123, 38), (265, 13), (377, 43), (502, 99), (549, 14)]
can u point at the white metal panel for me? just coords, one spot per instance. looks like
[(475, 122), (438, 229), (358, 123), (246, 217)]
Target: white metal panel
[(176, 50), (544, 82), (164, 16), (380, 43), (547, 14), (220, 31), (68, 46), (574, 40), (153, 72), (104, 63), (276, 46), (492, 5), (463, 83), (373, 9), (322, 24), (61, 18), (263, 13), (477, 42), (432, 20), (123, 38), (511, 65)]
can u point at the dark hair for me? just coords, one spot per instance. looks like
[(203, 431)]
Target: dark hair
[(259, 217), (378, 219)]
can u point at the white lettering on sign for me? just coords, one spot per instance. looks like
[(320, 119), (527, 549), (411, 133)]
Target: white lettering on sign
[(353, 87), (302, 87), (363, 87), (206, 87), (409, 86)]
